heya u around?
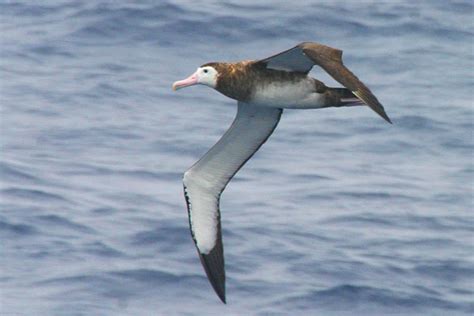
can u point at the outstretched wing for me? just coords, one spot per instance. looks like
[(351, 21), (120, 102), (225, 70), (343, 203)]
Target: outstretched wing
[(304, 56), (205, 181)]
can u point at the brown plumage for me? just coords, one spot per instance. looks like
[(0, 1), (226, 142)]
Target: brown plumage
[(330, 59), (239, 81)]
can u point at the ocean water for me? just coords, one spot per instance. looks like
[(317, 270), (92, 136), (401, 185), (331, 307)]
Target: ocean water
[(339, 213)]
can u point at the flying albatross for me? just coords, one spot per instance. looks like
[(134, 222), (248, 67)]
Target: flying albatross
[(262, 88)]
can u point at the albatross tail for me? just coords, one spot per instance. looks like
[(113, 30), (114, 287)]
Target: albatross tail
[(344, 97)]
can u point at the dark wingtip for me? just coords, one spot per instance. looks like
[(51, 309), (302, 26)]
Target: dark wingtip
[(213, 264), (385, 117), (368, 98)]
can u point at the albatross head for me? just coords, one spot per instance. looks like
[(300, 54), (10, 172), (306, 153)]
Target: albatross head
[(206, 75)]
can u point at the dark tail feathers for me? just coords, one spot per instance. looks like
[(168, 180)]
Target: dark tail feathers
[(345, 97)]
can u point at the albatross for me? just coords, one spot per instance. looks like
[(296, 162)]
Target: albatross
[(262, 89)]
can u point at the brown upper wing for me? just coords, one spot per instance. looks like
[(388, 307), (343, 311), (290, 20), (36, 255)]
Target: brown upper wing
[(302, 58)]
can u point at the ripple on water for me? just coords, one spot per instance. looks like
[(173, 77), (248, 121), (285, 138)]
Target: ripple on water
[(10, 172), (360, 298), (53, 221), (33, 194), (17, 230)]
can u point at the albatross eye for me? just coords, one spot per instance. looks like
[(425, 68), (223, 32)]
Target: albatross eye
[(206, 71)]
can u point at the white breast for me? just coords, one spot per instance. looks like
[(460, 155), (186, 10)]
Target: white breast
[(288, 94)]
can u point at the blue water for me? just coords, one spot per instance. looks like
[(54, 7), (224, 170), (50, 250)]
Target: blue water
[(340, 213)]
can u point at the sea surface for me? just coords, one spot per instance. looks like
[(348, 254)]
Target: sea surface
[(339, 213)]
